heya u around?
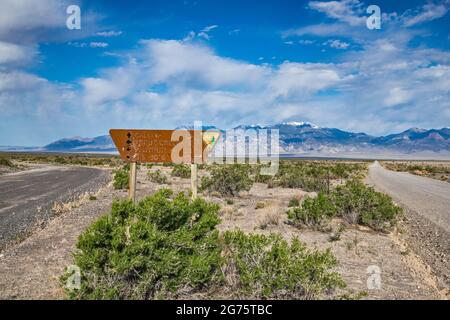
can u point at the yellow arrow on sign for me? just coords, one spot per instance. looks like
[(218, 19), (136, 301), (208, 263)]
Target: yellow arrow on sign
[(210, 137)]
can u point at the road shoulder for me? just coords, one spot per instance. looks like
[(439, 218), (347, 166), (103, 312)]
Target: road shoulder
[(30, 270), (426, 244)]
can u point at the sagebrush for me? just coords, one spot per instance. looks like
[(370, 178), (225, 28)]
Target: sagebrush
[(158, 176), (228, 180), (167, 246), (122, 177), (181, 171), (355, 202)]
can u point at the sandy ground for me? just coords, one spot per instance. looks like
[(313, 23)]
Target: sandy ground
[(31, 269)]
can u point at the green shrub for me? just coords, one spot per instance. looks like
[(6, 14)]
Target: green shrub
[(181, 171), (167, 164), (121, 179), (358, 203), (149, 250), (354, 202), (6, 162), (294, 202), (258, 177), (314, 175), (228, 180), (269, 267), (314, 212), (167, 246), (60, 160), (300, 175), (157, 177)]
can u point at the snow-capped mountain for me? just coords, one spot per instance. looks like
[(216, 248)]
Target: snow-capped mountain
[(304, 138)]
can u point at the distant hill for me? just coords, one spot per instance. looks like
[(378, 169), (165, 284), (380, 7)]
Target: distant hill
[(303, 138), (78, 144)]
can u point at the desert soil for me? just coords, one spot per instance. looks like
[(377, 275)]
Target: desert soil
[(31, 269)]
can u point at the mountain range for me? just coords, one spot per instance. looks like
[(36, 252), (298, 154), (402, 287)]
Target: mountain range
[(306, 139)]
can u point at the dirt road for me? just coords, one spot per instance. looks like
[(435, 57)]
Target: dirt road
[(427, 215), (27, 197), (428, 197)]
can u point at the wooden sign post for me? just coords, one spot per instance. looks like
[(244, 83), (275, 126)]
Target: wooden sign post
[(132, 183), (194, 180), (161, 146)]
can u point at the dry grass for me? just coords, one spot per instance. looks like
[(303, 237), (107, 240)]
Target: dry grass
[(60, 207), (439, 170), (270, 218)]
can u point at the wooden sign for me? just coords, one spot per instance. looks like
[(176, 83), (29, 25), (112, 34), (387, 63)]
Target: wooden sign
[(159, 146)]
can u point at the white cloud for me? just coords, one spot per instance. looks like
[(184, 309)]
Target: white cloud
[(337, 44), (16, 81), (324, 30), (396, 96), (302, 79), (383, 87), (204, 33), (25, 15), (173, 82), (348, 11), (11, 53), (209, 28), (197, 65), (28, 22), (428, 12)]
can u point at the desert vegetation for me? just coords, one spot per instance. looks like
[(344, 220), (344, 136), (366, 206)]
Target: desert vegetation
[(167, 246), (7, 165), (65, 159), (431, 169), (157, 176), (354, 202), (6, 162), (227, 180), (314, 175), (122, 177), (181, 171)]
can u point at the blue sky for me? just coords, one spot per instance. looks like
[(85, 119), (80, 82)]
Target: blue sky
[(160, 64)]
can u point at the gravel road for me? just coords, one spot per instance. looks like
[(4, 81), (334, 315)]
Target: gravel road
[(27, 197), (427, 215)]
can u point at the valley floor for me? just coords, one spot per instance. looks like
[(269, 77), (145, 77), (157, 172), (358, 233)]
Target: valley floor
[(31, 269)]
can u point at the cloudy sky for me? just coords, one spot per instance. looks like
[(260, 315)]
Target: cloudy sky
[(160, 64)]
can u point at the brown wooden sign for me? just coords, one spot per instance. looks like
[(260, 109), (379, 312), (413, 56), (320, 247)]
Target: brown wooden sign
[(158, 146)]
